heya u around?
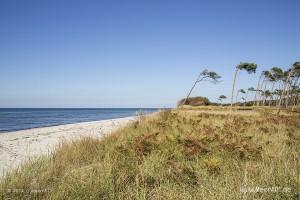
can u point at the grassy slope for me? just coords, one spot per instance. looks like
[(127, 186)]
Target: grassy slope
[(177, 154)]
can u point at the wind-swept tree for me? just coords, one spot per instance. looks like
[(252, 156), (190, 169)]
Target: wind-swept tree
[(293, 84), (290, 73), (296, 91), (239, 91), (257, 93), (205, 75), (249, 67), (244, 100), (285, 85), (249, 90), (221, 98), (267, 94), (268, 78), (278, 94), (277, 75), (295, 88), (276, 72)]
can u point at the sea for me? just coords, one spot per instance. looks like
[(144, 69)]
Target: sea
[(13, 119)]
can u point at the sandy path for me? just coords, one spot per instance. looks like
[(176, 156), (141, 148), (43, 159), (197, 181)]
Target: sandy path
[(18, 146)]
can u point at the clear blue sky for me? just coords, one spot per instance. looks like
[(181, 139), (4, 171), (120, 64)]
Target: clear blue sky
[(137, 53)]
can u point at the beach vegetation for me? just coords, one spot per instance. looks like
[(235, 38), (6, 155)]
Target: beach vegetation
[(189, 153)]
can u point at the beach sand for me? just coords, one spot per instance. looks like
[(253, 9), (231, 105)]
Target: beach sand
[(18, 146)]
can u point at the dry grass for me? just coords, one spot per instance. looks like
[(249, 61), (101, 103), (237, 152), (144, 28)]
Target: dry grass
[(178, 154)]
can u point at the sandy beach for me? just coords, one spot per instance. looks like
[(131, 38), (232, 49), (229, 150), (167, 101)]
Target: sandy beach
[(18, 146)]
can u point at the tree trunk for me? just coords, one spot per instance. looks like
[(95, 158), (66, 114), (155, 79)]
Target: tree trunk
[(257, 88), (283, 92), (264, 96), (295, 94), (233, 85), (260, 96), (288, 89), (292, 92), (190, 92), (279, 95), (246, 97), (295, 101), (272, 89)]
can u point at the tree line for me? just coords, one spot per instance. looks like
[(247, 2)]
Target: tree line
[(275, 87)]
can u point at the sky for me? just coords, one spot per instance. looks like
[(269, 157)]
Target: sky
[(137, 53)]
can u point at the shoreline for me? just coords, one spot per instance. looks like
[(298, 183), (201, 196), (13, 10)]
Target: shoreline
[(63, 124), (21, 145)]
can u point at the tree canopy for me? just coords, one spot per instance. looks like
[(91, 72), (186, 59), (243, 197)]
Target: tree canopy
[(242, 91), (249, 67), (206, 75), (222, 97), (251, 89)]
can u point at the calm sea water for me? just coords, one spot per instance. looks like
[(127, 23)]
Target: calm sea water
[(12, 119)]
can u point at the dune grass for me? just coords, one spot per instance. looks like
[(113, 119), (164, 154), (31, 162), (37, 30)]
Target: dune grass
[(177, 154)]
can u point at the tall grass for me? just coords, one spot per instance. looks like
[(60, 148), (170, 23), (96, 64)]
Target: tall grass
[(176, 154)]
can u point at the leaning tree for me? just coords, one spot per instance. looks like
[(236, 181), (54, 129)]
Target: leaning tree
[(267, 94), (205, 75), (249, 67), (250, 89), (290, 74), (258, 88), (266, 75), (296, 87), (221, 98), (296, 91), (268, 78), (239, 91), (244, 99), (293, 83), (278, 93), (276, 75)]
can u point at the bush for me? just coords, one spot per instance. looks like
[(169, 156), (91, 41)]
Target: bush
[(195, 101)]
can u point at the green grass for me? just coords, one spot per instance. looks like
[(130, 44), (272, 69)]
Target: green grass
[(178, 154)]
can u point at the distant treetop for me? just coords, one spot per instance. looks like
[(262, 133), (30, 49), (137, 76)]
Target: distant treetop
[(249, 67)]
